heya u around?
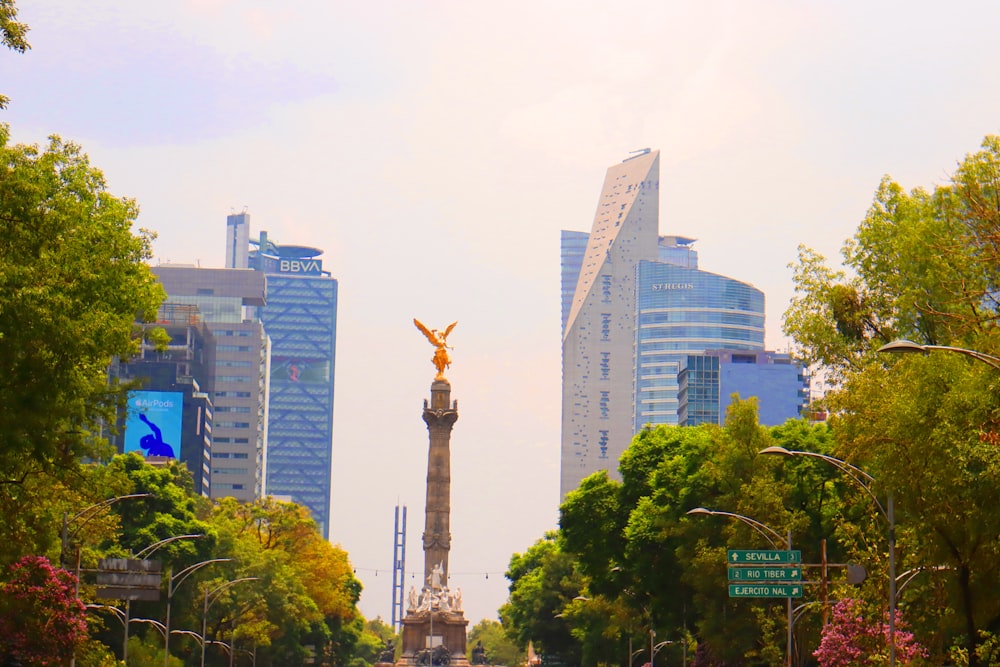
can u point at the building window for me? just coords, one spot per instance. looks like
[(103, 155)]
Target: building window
[(229, 471)]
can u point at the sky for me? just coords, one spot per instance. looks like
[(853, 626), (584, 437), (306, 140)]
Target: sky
[(435, 149)]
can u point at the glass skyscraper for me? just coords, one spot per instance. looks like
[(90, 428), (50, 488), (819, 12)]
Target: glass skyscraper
[(572, 246), (599, 335), (708, 381), (300, 318), (635, 309), (680, 312)]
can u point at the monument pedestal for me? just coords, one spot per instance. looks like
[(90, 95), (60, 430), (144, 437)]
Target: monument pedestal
[(425, 630)]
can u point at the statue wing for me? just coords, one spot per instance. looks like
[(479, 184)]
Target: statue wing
[(448, 330), (427, 332)]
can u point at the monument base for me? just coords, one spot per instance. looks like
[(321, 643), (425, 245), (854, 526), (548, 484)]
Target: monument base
[(427, 630)]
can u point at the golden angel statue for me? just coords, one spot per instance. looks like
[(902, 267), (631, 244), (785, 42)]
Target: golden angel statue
[(438, 339)]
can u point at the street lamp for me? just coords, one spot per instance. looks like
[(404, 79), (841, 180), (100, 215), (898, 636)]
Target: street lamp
[(123, 618), (906, 346), (172, 583), (156, 624), (865, 481), (148, 551), (653, 650), (86, 514), (770, 534), (210, 597)]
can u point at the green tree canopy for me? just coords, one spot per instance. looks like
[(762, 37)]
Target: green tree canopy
[(921, 266), (544, 580), (73, 282), (13, 34), (500, 650)]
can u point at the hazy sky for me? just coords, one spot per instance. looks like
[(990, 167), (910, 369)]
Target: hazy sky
[(435, 149)]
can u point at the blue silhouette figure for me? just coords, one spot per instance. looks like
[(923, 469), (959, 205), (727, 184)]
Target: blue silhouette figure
[(153, 443)]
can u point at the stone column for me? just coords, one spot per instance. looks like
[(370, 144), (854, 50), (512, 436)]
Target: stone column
[(439, 417)]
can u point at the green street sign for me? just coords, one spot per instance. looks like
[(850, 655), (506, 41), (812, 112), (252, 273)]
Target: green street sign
[(765, 590), (762, 557), (739, 573)]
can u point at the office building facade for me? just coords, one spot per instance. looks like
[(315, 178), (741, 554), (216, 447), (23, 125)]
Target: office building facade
[(599, 336), (301, 321), (168, 412), (635, 308), (572, 248), (708, 382), (227, 300), (680, 312)]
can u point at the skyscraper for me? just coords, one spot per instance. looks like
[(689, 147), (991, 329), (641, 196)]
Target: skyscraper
[(599, 336), (640, 309), (226, 300), (708, 381), (169, 414), (683, 311), (301, 321)]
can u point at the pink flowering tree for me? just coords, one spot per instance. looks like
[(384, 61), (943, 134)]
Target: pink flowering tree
[(41, 619), (850, 639)]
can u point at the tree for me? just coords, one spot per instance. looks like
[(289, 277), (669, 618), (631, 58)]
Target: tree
[(640, 562), (73, 281), (13, 34), (306, 594), (374, 640), (543, 580), (41, 619), (500, 650), (849, 639), (922, 266)]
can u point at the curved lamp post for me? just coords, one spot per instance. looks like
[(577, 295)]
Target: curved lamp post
[(865, 481), (210, 597), (769, 534), (156, 624), (172, 583), (907, 346), (122, 616), (140, 556), (86, 514), (655, 648)]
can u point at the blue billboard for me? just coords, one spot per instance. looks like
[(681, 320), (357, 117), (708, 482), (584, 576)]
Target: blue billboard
[(153, 423)]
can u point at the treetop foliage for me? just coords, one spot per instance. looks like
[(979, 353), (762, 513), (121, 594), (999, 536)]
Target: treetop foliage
[(13, 34), (74, 280)]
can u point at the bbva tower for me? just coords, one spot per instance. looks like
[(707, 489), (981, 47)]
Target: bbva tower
[(635, 308)]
